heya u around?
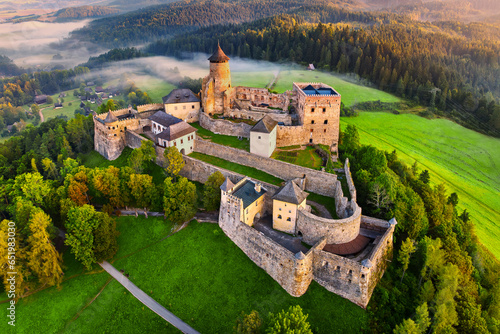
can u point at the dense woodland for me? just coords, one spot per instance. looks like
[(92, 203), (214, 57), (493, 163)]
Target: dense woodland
[(82, 12), (455, 77)]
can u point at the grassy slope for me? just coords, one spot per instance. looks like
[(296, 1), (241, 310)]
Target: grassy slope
[(351, 93), (251, 79), (232, 141), (467, 162), (203, 278), (306, 158)]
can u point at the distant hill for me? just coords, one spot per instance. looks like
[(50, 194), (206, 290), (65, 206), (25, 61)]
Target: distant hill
[(82, 12)]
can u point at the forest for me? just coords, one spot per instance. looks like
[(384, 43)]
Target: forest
[(82, 12), (454, 76)]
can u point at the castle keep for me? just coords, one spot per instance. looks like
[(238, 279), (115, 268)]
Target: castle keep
[(274, 226)]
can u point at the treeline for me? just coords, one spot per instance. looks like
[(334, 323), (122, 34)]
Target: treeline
[(171, 19), (81, 12), (20, 90), (8, 68), (455, 77), (113, 55), (441, 280)]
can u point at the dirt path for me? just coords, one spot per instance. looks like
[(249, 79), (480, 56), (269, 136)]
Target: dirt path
[(276, 74)]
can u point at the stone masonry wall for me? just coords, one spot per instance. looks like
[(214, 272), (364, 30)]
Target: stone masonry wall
[(319, 182), (350, 182), (257, 115), (133, 140), (337, 231), (224, 127), (291, 135), (150, 107), (342, 276)]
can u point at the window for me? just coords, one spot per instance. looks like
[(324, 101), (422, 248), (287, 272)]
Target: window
[(289, 211), (312, 109), (312, 122), (324, 130), (310, 140), (279, 216), (175, 144), (175, 108), (324, 109), (280, 209), (289, 219), (312, 130), (325, 122), (182, 141), (259, 137)]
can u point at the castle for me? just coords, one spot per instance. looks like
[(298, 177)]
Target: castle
[(278, 228)]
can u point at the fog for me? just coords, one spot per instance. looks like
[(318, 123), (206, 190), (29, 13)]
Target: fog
[(33, 44), (173, 70)]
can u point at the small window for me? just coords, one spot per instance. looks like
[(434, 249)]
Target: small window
[(312, 130), (182, 141), (312, 122), (312, 109), (175, 144), (175, 108), (289, 219), (310, 140), (326, 121), (192, 107), (279, 216), (289, 211), (324, 130), (324, 109), (280, 209), (259, 137)]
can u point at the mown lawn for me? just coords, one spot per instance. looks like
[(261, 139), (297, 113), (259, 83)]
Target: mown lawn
[(54, 310), (351, 93), (205, 279), (306, 157), (243, 144), (244, 170), (467, 162)]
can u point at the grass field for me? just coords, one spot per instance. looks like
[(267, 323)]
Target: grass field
[(245, 170), (251, 79), (351, 93), (465, 161), (197, 273), (306, 158), (203, 278), (232, 141)]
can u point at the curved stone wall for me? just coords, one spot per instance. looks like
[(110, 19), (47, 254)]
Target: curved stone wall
[(337, 231)]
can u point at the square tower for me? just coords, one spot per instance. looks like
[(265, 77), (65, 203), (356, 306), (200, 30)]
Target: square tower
[(318, 108)]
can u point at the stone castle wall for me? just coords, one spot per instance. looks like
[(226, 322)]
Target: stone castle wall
[(262, 95), (223, 127), (319, 182), (337, 231), (291, 135), (350, 182), (133, 140), (150, 107), (256, 115)]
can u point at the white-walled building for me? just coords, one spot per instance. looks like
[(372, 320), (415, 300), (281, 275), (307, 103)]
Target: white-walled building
[(263, 137), (172, 131)]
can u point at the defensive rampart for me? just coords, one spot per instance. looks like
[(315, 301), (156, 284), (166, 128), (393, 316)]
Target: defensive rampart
[(133, 140), (317, 181), (337, 231), (291, 135), (150, 107), (223, 127), (257, 115)]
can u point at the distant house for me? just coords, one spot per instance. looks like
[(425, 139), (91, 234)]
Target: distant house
[(311, 67), (88, 90), (90, 83), (87, 111), (58, 106), (82, 105), (263, 137), (182, 103), (62, 95), (171, 131), (41, 99), (99, 90)]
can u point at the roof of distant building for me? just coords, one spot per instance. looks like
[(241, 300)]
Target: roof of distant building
[(265, 125), (290, 193), (164, 119), (310, 90), (182, 95), (176, 131), (248, 194), (110, 118), (218, 55), (227, 185)]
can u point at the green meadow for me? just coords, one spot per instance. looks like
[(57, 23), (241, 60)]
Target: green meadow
[(351, 93), (251, 79), (467, 162), (197, 273)]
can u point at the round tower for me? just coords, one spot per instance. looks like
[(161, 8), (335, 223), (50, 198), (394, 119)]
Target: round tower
[(219, 71)]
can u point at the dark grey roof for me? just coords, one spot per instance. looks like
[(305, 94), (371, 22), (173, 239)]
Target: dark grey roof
[(265, 125), (180, 96), (290, 193), (227, 185), (218, 55), (164, 119), (248, 194), (175, 131), (110, 118)]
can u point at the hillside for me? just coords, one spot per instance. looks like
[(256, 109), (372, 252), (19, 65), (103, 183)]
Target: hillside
[(82, 12)]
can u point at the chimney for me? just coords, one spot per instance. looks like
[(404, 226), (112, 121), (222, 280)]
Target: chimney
[(257, 187)]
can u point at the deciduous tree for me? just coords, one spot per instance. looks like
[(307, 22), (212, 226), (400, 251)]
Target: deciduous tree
[(212, 192), (174, 160), (179, 200)]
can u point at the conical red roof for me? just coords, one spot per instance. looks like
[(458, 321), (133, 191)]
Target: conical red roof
[(218, 55)]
